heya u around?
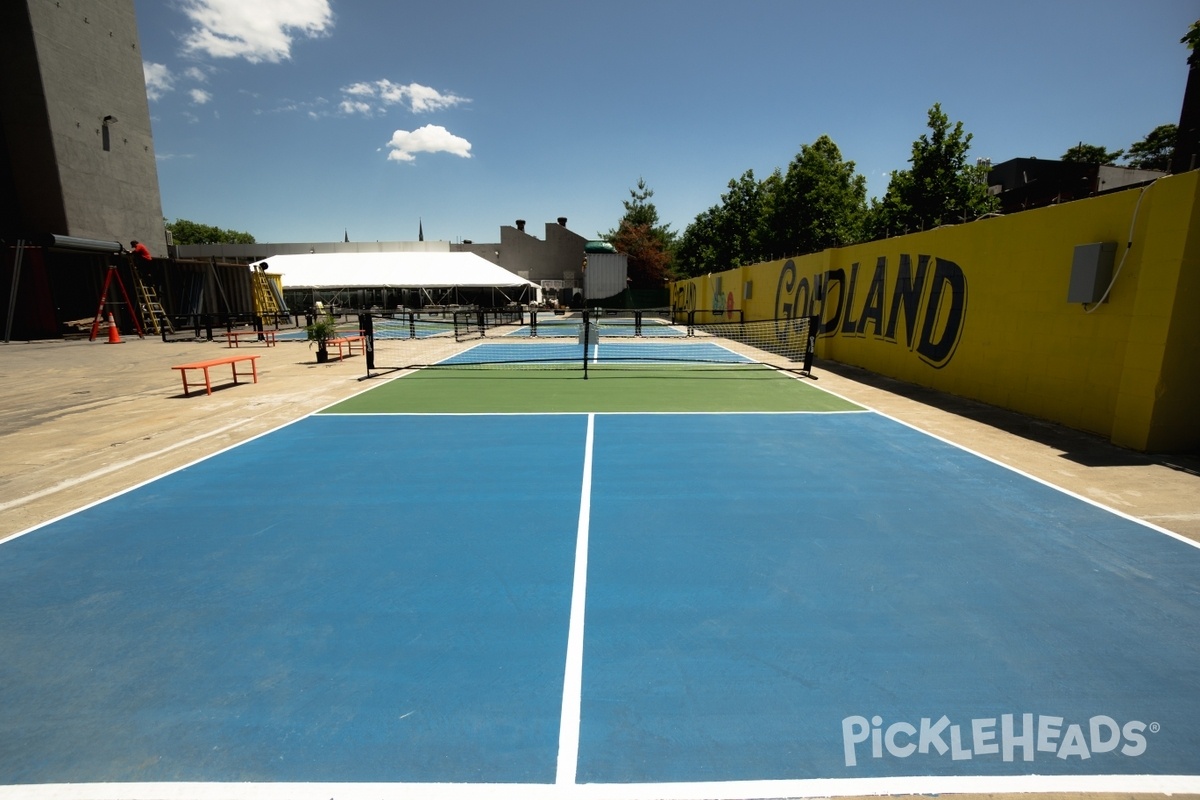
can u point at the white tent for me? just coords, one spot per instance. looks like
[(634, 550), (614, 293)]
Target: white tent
[(400, 270)]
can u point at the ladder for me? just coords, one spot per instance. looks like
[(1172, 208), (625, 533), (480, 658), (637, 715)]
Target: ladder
[(147, 297), (110, 273), (265, 303)]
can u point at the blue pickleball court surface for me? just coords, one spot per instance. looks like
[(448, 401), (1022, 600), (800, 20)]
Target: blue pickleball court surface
[(769, 597)]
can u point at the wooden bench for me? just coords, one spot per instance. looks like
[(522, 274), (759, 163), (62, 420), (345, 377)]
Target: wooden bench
[(214, 362), (348, 342), (233, 338)]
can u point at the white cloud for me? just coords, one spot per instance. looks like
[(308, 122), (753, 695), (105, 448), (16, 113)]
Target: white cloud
[(200, 97), (355, 107), (418, 98), (425, 99), (159, 80), (429, 139), (262, 30), (196, 74)]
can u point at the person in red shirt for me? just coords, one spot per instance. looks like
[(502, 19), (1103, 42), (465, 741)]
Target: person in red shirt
[(140, 250)]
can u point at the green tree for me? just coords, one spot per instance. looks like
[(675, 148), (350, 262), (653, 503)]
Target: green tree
[(649, 262), (640, 211), (892, 215), (941, 188), (733, 233), (1091, 154), (184, 231), (1154, 151), (744, 223), (701, 246), (820, 203), (1192, 37), (649, 244)]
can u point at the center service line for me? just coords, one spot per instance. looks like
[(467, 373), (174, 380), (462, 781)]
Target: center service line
[(568, 727)]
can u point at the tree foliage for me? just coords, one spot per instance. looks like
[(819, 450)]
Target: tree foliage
[(700, 246), (649, 243), (649, 261), (1154, 151), (730, 234), (184, 231), (1192, 37), (821, 202), (940, 188), (1091, 154)]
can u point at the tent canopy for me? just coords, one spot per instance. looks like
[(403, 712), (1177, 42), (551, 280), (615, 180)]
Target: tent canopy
[(412, 270)]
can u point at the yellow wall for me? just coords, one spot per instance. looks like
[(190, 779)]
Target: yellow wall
[(982, 311)]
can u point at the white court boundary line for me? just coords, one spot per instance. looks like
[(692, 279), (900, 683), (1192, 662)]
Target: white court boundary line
[(117, 467), (1017, 470), (716, 790), (582, 413), (111, 468)]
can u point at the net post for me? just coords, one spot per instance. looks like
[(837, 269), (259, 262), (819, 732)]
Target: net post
[(367, 326), (811, 346), (533, 324), (587, 332)]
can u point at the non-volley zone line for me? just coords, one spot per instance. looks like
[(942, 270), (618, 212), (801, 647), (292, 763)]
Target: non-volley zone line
[(605, 352), (638, 388)]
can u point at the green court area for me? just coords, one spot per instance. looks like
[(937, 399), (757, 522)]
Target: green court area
[(632, 389)]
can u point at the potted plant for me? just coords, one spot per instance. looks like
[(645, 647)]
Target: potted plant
[(321, 331)]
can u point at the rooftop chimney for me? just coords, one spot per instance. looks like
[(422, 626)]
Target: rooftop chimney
[(562, 221), (521, 225)]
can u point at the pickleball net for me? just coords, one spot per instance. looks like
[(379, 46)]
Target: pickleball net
[(584, 340)]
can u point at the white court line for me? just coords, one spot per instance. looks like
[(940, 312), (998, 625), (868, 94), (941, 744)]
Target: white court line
[(1017, 470), (716, 790), (568, 727), (600, 413), (565, 787), (99, 473), (121, 465)]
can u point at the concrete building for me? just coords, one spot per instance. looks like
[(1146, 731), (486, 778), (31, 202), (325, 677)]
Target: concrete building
[(555, 263), (77, 164), (1025, 183)]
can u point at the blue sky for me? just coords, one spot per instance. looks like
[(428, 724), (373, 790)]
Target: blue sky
[(298, 120)]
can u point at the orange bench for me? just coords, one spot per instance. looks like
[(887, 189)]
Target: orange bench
[(233, 338), (215, 362), (348, 342)]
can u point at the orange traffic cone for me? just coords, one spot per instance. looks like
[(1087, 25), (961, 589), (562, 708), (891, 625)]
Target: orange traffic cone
[(114, 335)]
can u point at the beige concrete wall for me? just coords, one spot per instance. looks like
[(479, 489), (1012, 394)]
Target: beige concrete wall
[(90, 62)]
